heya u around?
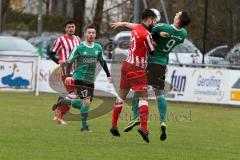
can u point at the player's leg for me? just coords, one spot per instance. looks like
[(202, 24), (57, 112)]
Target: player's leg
[(71, 94), (75, 103), (162, 108), (139, 84), (123, 91), (58, 111), (135, 117), (84, 90), (156, 78), (71, 98), (61, 109), (117, 110), (135, 101), (84, 112), (143, 114)]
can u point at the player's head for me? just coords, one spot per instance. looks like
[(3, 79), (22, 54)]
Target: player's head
[(70, 27), (90, 33), (149, 17), (182, 19)]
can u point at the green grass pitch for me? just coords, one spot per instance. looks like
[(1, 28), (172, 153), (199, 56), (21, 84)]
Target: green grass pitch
[(195, 132)]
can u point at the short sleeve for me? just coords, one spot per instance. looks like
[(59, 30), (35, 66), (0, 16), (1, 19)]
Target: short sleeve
[(56, 45)]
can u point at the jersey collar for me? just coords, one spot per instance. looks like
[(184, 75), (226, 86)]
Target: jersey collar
[(89, 46), (66, 37), (175, 28)]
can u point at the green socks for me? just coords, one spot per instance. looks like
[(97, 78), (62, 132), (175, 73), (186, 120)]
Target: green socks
[(84, 112), (162, 108), (77, 103), (135, 101)]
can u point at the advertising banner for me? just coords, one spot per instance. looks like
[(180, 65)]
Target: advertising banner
[(210, 85), (198, 84), (179, 79), (17, 75)]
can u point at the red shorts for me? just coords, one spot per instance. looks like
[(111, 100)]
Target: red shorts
[(70, 88), (133, 77)]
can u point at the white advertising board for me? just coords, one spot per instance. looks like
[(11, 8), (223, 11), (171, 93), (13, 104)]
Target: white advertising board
[(46, 67), (203, 85)]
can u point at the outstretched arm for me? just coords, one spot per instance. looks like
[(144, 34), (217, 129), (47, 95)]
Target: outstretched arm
[(52, 56), (129, 25)]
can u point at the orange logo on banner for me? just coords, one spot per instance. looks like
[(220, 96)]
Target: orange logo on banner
[(235, 95), (235, 92)]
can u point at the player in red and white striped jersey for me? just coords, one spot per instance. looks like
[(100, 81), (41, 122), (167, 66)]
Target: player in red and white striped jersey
[(63, 46), (133, 75), (140, 44)]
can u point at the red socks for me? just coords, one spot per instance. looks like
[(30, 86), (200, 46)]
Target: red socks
[(61, 111), (143, 114), (116, 112)]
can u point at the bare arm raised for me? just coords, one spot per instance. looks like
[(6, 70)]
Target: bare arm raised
[(129, 25)]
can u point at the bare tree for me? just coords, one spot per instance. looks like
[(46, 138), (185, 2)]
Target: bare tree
[(97, 20), (47, 2), (54, 5), (79, 12), (64, 7), (235, 21), (5, 8)]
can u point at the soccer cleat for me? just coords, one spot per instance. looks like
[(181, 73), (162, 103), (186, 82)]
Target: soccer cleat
[(144, 134), (59, 121), (131, 124), (63, 122), (85, 129), (55, 105), (115, 132), (163, 135)]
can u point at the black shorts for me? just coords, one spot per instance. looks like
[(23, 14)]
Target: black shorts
[(156, 75), (84, 89)]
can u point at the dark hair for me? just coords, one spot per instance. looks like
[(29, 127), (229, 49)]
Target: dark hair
[(69, 22), (184, 19), (92, 26), (148, 14)]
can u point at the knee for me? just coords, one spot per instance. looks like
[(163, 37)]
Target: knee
[(159, 93)]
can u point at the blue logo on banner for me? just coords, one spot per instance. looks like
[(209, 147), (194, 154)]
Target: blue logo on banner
[(209, 85), (178, 83), (17, 82)]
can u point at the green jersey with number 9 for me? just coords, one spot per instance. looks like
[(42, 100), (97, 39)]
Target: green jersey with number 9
[(165, 45)]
